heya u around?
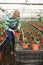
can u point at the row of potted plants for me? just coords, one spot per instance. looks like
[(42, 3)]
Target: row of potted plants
[(38, 25), (0, 55), (2, 30), (35, 37), (31, 36), (34, 40)]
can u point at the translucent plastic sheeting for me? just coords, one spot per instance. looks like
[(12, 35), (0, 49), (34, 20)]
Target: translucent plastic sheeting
[(12, 6), (35, 1), (21, 1), (25, 10), (23, 7), (12, 1)]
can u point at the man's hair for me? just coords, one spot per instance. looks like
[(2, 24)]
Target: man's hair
[(17, 11)]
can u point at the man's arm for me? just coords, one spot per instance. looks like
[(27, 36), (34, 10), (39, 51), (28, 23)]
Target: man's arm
[(19, 24)]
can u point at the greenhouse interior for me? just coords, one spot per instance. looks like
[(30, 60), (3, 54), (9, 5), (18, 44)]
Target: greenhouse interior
[(21, 32)]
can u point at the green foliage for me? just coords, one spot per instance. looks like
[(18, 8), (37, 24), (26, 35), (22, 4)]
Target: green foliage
[(1, 26), (42, 36), (34, 42), (17, 31), (37, 38), (39, 32), (25, 41), (1, 33), (32, 35), (24, 35)]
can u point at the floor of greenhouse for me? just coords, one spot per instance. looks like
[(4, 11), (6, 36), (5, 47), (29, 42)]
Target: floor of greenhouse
[(8, 60)]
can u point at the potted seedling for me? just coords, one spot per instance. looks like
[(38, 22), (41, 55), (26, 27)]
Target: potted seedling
[(35, 45), (42, 39), (17, 33), (31, 38), (25, 37), (1, 36), (42, 27), (28, 34), (32, 35), (1, 28), (0, 55), (2, 22), (37, 39), (39, 34), (35, 33), (32, 30), (24, 31), (25, 41), (25, 44)]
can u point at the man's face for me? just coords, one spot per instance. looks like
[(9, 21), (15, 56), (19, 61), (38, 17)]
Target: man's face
[(16, 14)]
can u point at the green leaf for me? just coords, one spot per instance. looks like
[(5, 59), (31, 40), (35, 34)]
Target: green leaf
[(34, 42)]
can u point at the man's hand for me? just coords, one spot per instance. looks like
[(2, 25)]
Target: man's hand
[(13, 31)]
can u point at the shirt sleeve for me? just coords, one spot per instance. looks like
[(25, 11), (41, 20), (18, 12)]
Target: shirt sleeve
[(7, 23), (19, 24)]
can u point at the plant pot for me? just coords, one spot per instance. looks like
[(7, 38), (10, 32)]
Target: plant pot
[(0, 56), (25, 31), (25, 46), (31, 40), (28, 35), (42, 41), (1, 29), (21, 38), (1, 37), (39, 36), (35, 34), (35, 47), (17, 34)]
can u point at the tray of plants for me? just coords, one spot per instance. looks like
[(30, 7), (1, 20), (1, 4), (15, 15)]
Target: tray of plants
[(29, 48), (2, 34), (2, 41), (38, 25), (2, 31), (24, 52), (31, 42)]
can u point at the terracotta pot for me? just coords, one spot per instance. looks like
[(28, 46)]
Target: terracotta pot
[(21, 38), (35, 47), (1, 37), (35, 34), (17, 34), (31, 40), (4, 33), (28, 36), (39, 37), (32, 31), (41, 40), (25, 31), (0, 56), (25, 46), (2, 29), (42, 28)]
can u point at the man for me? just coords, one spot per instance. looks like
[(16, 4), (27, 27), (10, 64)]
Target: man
[(12, 23)]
